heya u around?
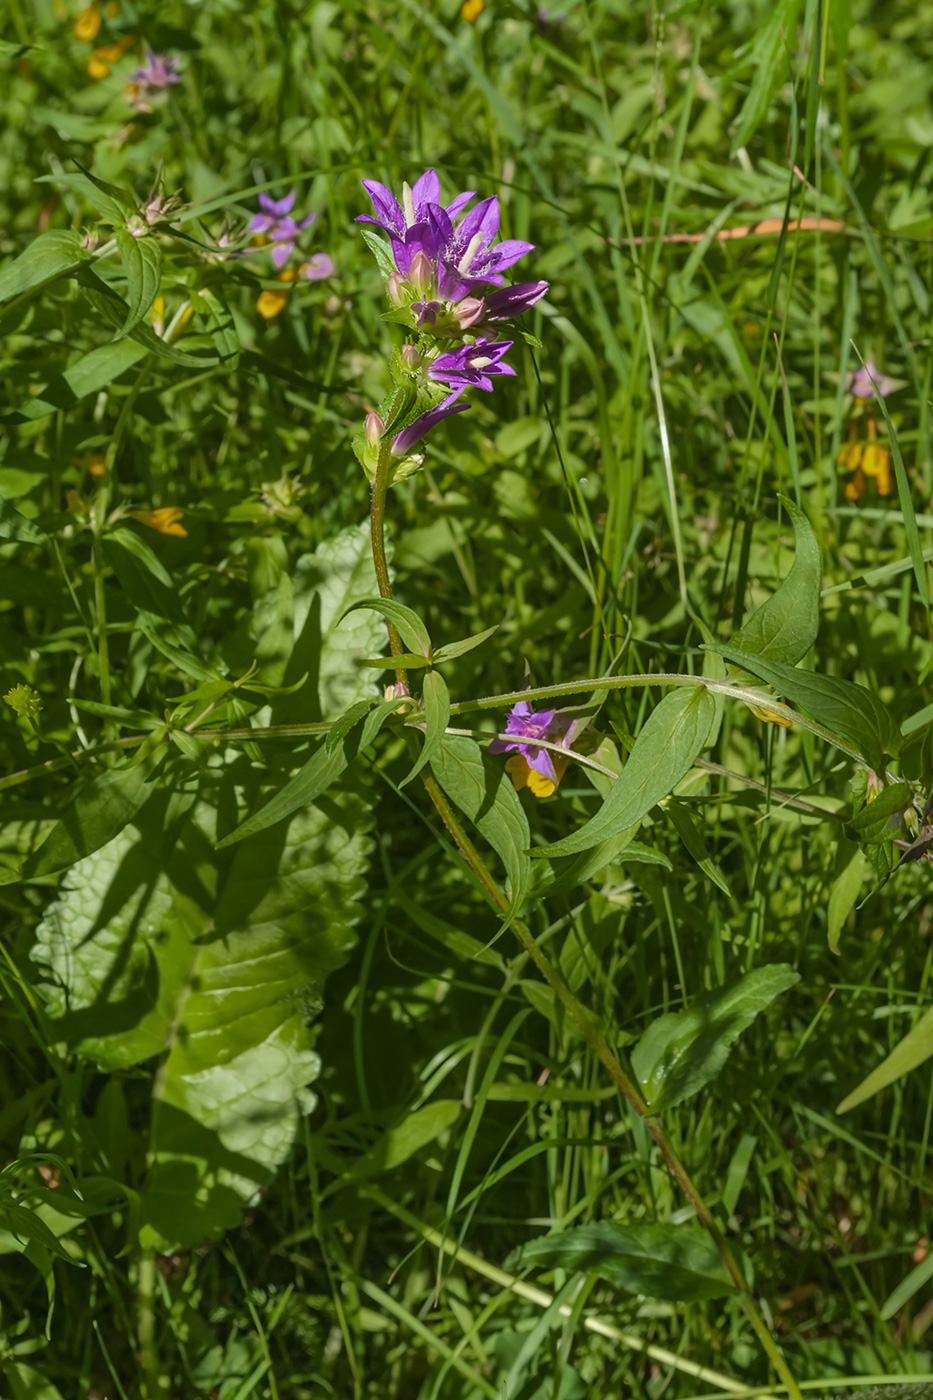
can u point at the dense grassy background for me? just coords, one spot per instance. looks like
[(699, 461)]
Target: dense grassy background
[(615, 497)]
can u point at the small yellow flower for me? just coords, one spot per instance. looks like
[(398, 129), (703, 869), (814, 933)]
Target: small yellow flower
[(850, 456), (97, 464), (523, 775), (98, 65), (113, 9), (158, 308), (771, 716), (471, 10), (87, 25), (855, 487), (875, 460), (165, 519), (269, 304)]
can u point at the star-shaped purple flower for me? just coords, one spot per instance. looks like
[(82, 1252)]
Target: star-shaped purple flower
[(157, 72), (471, 365), (527, 725), (275, 221), (863, 381)]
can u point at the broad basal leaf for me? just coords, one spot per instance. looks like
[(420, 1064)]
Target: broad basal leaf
[(664, 752), (158, 947), (676, 1262), (682, 1052)]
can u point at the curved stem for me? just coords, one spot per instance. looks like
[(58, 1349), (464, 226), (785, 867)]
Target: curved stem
[(377, 514), (574, 1008)]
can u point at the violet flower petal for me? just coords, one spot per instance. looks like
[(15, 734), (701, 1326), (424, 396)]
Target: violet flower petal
[(406, 439)]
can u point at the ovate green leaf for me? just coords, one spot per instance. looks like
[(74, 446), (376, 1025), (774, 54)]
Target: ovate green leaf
[(785, 627), (664, 752), (96, 816), (682, 1052), (52, 255), (483, 792), (676, 1262)]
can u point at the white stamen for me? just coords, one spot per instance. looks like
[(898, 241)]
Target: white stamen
[(479, 361), (408, 204), (473, 248)]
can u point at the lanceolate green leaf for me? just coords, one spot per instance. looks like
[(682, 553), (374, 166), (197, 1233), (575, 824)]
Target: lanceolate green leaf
[(437, 716), (88, 374), (322, 768), (785, 627), (158, 947), (856, 715), (664, 752), (15, 526), (483, 792), (682, 1052), (676, 1262), (96, 816), (411, 629), (913, 1050), (52, 255), (142, 264), (769, 58)]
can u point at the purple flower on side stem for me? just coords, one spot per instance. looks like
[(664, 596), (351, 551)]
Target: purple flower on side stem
[(471, 365), (533, 767), (156, 73), (863, 382), (406, 439), (318, 266), (276, 224)]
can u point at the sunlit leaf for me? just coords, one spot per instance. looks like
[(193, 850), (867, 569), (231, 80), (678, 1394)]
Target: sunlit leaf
[(664, 752)]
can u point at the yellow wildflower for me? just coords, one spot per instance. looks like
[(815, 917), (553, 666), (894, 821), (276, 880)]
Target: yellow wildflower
[(97, 464), (269, 304), (876, 462), (98, 65), (471, 10), (165, 519), (87, 25), (523, 775), (855, 487), (113, 9)]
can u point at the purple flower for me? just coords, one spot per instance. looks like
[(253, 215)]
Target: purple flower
[(318, 266), (512, 301), (446, 258), (275, 222), (156, 73), (863, 381), (471, 365), (527, 725), (406, 439)]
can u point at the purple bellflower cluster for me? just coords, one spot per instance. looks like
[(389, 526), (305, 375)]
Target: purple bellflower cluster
[(445, 282)]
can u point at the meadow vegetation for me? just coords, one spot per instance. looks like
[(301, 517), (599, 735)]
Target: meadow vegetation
[(349, 1049)]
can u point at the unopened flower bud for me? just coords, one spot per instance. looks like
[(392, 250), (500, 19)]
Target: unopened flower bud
[(421, 273), (469, 311), (374, 430), (410, 357), (398, 691), (395, 285)]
